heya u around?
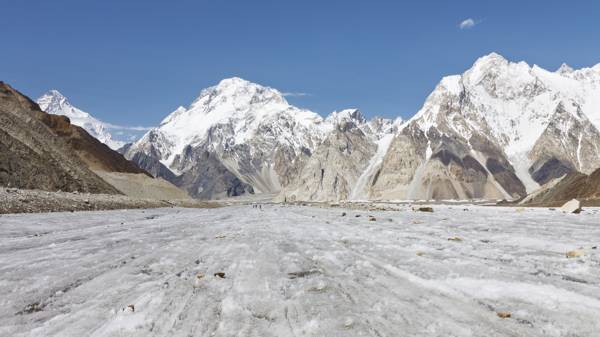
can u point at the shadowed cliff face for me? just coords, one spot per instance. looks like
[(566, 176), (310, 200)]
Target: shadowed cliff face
[(208, 178), (573, 185), (570, 143)]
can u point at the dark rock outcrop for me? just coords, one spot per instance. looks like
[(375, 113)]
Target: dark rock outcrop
[(575, 185)]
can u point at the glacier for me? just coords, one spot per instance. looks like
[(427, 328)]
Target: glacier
[(301, 271)]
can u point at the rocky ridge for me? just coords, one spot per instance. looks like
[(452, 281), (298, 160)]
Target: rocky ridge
[(53, 102)]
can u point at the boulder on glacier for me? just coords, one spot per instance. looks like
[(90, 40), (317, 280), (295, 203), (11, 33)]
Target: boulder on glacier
[(573, 206)]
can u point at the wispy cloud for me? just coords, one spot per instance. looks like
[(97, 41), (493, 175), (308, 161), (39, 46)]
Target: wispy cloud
[(296, 94), (130, 128), (468, 23)]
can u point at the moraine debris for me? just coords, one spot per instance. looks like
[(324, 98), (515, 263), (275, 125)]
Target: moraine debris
[(503, 314), (301, 274), (573, 206), (575, 253), (31, 308)]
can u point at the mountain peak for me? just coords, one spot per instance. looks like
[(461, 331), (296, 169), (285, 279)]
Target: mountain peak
[(484, 65), (54, 93), (494, 67), (353, 115), (52, 100), (239, 92), (491, 58), (564, 69), (237, 84), (233, 81)]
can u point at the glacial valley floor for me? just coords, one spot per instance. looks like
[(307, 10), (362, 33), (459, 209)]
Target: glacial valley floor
[(301, 271)]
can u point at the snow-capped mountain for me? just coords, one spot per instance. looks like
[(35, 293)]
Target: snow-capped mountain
[(243, 133), (249, 110), (54, 102), (240, 137), (376, 127), (497, 130), (344, 163)]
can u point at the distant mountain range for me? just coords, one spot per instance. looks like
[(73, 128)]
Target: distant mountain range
[(240, 137), (498, 131)]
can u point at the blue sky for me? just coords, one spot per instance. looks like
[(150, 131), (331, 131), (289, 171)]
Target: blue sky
[(133, 62)]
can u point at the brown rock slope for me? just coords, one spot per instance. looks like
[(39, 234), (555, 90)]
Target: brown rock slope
[(95, 154), (44, 151), (31, 154), (573, 186)]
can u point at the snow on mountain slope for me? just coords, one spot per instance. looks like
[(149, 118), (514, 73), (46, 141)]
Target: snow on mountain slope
[(344, 161), (54, 102), (376, 127), (379, 131), (254, 132), (516, 100), (478, 135), (253, 137), (242, 105), (508, 106), (359, 191)]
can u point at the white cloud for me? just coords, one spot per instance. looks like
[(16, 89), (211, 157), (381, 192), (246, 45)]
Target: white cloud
[(295, 94), (468, 24), (131, 128)]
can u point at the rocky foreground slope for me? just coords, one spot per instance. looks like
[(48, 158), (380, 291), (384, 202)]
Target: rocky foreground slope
[(583, 187), (47, 152), (33, 156)]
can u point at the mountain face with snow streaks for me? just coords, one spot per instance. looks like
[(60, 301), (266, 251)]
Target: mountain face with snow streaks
[(340, 166), (55, 103), (498, 131), (239, 137), (249, 132)]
